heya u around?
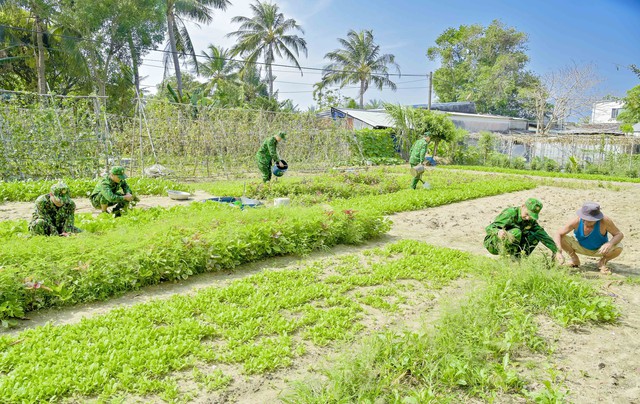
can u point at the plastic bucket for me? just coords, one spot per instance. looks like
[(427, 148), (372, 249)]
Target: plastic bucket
[(417, 171), (279, 172)]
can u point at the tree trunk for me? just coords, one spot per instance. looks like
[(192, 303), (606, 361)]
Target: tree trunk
[(134, 64), (269, 59), (42, 82), (435, 148), (361, 94), (174, 51)]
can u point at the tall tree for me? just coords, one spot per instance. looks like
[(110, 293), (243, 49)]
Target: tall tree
[(359, 62), (485, 65), (40, 11), (561, 94), (218, 67), (266, 35), (16, 44), (630, 114), (111, 35), (180, 45)]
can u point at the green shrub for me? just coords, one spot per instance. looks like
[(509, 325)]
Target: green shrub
[(519, 163), (375, 145)]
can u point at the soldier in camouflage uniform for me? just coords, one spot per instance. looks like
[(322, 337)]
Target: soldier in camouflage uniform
[(516, 231), (54, 213), (268, 154), (417, 155), (106, 193)]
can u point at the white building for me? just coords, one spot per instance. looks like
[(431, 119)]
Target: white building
[(606, 111), (375, 119)]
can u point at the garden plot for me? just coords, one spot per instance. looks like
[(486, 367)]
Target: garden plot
[(371, 302), (461, 225)]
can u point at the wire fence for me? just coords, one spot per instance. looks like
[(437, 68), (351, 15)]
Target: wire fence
[(73, 137)]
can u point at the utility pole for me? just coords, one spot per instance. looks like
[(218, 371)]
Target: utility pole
[(430, 86)]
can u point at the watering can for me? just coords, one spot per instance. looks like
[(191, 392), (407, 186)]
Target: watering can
[(279, 171), (417, 171)]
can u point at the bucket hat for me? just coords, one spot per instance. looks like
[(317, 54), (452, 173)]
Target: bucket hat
[(119, 171), (61, 191), (590, 211), (534, 207)]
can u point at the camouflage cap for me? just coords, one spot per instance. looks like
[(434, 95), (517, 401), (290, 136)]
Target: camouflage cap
[(61, 191), (119, 171), (282, 135), (534, 207), (426, 133)]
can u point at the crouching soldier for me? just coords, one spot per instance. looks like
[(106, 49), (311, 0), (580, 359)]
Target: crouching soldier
[(54, 213), (106, 194), (516, 231)]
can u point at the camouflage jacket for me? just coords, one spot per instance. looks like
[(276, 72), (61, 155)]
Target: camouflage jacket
[(267, 152), (60, 217), (510, 218), (108, 189), (418, 151)]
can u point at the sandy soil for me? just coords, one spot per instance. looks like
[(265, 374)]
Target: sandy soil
[(461, 225), (596, 364)]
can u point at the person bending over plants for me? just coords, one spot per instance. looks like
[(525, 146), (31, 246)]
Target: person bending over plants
[(112, 190), (590, 237), (268, 154), (54, 213), (516, 232)]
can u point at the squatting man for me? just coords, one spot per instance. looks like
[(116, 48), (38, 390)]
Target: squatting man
[(591, 229)]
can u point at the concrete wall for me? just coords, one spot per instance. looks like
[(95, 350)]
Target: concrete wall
[(602, 111)]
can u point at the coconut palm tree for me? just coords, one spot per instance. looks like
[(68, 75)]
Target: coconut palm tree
[(266, 35), (217, 66), (180, 45), (359, 62)]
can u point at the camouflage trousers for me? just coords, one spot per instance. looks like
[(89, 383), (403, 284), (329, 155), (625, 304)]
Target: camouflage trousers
[(265, 168), (516, 243), (98, 200), (45, 227), (415, 180)]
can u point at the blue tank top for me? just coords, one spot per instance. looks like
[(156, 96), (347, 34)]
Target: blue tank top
[(594, 240)]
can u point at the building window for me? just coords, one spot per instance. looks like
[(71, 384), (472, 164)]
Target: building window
[(615, 112)]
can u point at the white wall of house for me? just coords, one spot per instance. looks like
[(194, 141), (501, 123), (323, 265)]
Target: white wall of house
[(606, 111), (491, 123)]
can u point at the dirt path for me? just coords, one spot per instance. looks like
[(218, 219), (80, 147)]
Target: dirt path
[(601, 364)]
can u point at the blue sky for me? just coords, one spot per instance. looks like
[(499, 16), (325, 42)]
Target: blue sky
[(605, 33)]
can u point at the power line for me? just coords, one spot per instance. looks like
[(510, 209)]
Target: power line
[(310, 69)]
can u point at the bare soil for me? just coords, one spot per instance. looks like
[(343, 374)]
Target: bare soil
[(595, 364)]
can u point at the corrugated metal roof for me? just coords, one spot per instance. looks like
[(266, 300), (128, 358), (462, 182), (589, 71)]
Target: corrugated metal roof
[(372, 118)]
